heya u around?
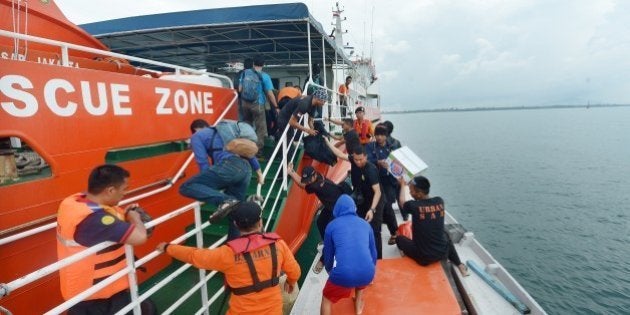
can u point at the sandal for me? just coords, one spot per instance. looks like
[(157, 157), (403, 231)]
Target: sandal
[(223, 210), (463, 269), (358, 307), (318, 267), (392, 240), (255, 198)]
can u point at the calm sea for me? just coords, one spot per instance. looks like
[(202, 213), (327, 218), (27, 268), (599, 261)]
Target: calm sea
[(546, 191)]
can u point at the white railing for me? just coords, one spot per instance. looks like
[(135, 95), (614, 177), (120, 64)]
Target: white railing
[(336, 106), (64, 48), (131, 267), (283, 147)]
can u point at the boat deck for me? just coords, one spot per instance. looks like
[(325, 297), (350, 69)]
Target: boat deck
[(394, 290), (403, 287)]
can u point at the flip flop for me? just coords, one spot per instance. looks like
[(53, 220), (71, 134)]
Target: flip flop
[(255, 198), (463, 271), (223, 210), (360, 310), (318, 267)]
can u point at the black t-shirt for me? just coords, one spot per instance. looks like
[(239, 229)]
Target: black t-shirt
[(364, 178), (427, 217), (326, 191), (296, 107)]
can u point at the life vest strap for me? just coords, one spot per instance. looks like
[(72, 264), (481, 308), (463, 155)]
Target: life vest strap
[(260, 285)]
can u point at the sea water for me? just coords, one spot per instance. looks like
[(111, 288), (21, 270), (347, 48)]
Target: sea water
[(546, 191)]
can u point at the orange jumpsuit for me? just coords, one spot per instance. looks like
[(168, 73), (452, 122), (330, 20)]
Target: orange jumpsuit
[(223, 259)]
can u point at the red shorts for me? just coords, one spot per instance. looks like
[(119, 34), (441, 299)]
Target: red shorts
[(335, 292)]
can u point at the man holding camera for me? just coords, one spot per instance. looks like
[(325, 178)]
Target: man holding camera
[(87, 219)]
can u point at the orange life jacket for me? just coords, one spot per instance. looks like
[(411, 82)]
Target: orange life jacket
[(87, 272), (363, 129), (244, 245)]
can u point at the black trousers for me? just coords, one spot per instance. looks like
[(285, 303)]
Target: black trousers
[(389, 217), (343, 108), (377, 221), (410, 249), (110, 306), (325, 216)]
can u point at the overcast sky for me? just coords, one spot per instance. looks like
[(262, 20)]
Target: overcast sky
[(443, 53)]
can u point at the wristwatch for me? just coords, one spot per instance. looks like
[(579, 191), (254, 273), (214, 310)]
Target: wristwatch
[(373, 211)]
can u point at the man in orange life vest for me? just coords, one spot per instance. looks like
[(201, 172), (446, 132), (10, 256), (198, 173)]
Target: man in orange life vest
[(87, 219), (251, 263), (344, 93), (362, 126)]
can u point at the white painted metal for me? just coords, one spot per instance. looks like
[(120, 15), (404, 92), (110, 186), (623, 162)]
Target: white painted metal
[(65, 47), (485, 298), (133, 280), (202, 272)]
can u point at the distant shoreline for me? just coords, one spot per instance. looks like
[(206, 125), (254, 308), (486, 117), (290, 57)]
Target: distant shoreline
[(478, 109)]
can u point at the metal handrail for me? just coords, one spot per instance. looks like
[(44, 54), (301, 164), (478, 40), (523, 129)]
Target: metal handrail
[(283, 146), (66, 46), (131, 266), (174, 179)]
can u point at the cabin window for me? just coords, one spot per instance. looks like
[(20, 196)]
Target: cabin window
[(20, 163)]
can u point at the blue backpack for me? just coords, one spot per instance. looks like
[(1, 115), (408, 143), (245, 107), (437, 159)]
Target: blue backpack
[(250, 81)]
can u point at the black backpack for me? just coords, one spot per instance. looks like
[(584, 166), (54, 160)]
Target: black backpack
[(315, 147)]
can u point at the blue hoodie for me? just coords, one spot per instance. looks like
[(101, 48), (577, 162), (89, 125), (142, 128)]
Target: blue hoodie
[(349, 241)]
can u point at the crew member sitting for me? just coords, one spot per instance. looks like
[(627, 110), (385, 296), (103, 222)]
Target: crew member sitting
[(430, 241)]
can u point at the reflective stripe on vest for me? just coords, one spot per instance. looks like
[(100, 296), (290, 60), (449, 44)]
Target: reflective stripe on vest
[(81, 275)]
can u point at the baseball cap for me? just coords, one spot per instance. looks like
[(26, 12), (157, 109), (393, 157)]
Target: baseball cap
[(246, 214), (320, 94), (359, 109), (307, 173)]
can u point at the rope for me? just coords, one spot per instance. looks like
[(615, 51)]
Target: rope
[(15, 5)]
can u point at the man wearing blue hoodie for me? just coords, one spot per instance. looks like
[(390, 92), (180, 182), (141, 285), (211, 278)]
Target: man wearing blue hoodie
[(349, 256)]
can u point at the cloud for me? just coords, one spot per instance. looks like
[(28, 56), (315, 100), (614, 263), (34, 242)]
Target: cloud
[(399, 47), (444, 53)]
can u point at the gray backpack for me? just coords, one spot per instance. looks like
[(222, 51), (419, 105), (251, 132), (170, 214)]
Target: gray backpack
[(230, 129)]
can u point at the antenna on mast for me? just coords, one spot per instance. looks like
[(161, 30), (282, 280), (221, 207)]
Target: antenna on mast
[(372, 35)]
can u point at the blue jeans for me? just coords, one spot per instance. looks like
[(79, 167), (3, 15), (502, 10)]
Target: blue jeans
[(232, 175), (228, 179)]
